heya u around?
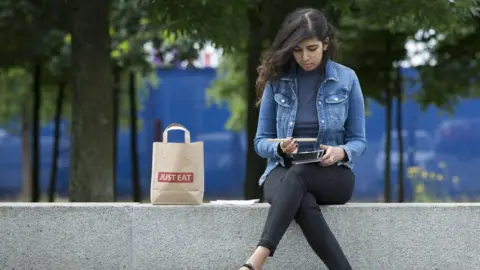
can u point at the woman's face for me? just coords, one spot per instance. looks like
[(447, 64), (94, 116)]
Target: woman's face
[(308, 53)]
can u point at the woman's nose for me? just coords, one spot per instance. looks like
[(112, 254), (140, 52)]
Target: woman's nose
[(305, 56)]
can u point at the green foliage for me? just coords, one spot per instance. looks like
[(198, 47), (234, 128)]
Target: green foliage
[(224, 23), (16, 97), (411, 15), (17, 81), (34, 32), (230, 88), (28, 28), (374, 63), (133, 27), (373, 37), (182, 46), (444, 23), (456, 68), (37, 31), (28, 32), (129, 31)]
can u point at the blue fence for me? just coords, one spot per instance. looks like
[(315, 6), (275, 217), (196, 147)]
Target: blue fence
[(442, 148)]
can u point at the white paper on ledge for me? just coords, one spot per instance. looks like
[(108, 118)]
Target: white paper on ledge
[(235, 202)]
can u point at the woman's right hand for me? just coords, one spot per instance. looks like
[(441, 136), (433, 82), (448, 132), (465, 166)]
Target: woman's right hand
[(289, 146)]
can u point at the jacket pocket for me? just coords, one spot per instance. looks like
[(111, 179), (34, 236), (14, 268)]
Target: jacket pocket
[(337, 104), (283, 100), (285, 106)]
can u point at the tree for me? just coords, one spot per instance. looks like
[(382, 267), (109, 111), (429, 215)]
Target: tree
[(59, 73), (16, 101), (92, 108), (396, 30), (375, 66), (454, 65), (398, 88), (27, 22), (26, 27), (130, 32)]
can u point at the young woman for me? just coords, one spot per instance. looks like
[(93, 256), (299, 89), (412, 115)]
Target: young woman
[(303, 93)]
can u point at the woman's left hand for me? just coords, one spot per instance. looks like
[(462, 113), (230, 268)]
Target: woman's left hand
[(332, 155)]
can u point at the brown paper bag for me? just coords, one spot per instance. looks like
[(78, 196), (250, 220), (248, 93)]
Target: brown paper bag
[(177, 170)]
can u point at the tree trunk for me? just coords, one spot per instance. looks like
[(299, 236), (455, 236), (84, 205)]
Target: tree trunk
[(137, 193), (56, 141), (255, 164), (388, 124), (37, 97), (388, 145), (26, 153), (92, 165), (116, 100), (401, 165)]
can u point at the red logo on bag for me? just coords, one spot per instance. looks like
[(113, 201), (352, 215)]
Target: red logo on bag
[(173, 177)]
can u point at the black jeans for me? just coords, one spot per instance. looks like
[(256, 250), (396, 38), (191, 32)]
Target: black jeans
[(296, 193)]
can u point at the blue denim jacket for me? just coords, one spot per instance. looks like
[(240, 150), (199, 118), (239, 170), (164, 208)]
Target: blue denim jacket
[(340, 108)]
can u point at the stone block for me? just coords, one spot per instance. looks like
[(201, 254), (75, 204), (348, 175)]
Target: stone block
[(65, 236)]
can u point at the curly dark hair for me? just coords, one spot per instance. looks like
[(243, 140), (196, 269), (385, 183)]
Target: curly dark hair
[(300, 24)]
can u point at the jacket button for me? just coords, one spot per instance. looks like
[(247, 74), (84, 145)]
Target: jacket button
[(291, 124)]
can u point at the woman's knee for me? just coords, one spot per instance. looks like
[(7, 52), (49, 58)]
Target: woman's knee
[(297, 173), (308, 206)]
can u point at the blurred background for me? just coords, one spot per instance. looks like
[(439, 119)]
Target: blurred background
[(86, 87)]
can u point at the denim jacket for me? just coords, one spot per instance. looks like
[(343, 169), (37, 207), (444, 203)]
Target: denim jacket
[(340, 109)]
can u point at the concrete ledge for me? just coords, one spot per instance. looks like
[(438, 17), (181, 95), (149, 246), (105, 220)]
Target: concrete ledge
[(142, 236), (64, 236)]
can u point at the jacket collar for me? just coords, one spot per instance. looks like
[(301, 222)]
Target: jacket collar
[(330, 72)]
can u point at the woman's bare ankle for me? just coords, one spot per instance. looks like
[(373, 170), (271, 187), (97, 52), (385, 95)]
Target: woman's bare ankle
[(259, 257)]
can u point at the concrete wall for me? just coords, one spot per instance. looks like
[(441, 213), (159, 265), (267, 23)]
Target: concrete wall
[(141, 236)]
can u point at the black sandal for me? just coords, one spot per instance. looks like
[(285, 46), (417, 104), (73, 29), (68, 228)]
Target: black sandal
[(248, 265)]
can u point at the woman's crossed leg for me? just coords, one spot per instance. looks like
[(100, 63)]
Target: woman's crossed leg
[(295, 194)]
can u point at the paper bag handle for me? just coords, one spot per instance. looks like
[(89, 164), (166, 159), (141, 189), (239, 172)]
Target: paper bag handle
[(176, 126)]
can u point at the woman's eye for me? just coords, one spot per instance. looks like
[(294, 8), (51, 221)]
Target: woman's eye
[(312, 49)]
